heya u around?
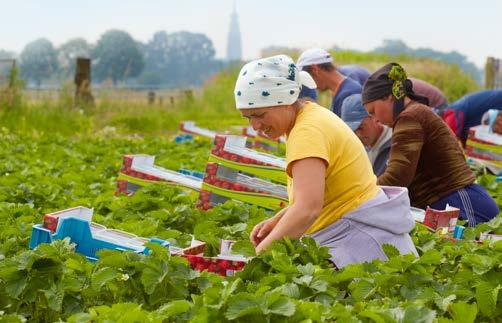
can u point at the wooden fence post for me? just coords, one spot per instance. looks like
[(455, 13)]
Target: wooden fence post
[(83, 93), (489, 73)]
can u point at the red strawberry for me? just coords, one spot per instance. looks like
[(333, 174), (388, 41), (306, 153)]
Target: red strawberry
[(210, 179), (223, 264), (204, 195)]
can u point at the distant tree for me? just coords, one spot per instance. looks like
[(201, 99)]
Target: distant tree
[(5, 54), (38, 61), (156, 60), (117, 56), (68, 53), (190, 58), (394, 47), (178, 59), (398, 47)]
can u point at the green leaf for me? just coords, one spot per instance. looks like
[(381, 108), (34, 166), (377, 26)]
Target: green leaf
[(212, 298), (11, 318), (418, 314), (319, 284), (350, 272), (174, 308), (236, 228), (480, 264), (373, 315), (282, 306), (307, 269), (303, 280), (242, 304), (75, 264), (54, 297), (282, 262), (430, 257), (102, 276), (443, 303), (291, 290), (15, 280), (153, 276), (362, 289), (244, 247), (390, 250), (462, 312), (486, 297), (230, 289), (497, 245)]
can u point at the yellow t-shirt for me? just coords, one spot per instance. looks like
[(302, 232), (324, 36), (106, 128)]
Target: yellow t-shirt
[(350, 181)]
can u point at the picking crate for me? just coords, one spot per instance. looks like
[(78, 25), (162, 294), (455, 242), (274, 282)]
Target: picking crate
[(139, 170), (89, 237), (484, 149), (221, 183)]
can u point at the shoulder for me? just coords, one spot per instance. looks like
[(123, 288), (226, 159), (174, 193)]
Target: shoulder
[(313, 118), (350, 86), (417, 111), (411, 119)]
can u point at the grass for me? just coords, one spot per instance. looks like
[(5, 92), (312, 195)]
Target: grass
[(212, 107)]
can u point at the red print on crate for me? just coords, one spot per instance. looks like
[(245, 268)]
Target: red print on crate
[(436, 219)]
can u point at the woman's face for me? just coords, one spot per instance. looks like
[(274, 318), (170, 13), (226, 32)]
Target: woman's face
[(272, 121), (382, 110)]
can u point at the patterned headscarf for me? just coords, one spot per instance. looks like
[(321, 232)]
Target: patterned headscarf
[(268, 82), (391, 79)]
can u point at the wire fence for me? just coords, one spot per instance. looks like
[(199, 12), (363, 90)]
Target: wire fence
[(138, 95)]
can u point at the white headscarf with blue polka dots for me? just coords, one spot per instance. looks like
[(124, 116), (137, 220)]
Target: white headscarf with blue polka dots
[(269, 82)]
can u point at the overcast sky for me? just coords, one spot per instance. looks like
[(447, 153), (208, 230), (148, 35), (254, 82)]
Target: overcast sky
[(471, 27)]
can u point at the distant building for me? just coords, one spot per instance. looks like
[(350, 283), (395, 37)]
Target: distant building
[(234, 50)]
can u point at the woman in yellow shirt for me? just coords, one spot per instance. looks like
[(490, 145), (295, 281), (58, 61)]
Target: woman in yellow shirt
[(333, 195)]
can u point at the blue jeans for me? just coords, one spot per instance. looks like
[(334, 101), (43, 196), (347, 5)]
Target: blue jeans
[(475, 204)]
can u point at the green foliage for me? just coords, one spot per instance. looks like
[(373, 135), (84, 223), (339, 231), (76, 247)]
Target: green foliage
[(292, 281), (118, 56), (449, 78), (38, 60), (179, 59), (68, 52)]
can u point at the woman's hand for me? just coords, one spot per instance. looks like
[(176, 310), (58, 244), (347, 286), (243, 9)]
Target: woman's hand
[(262, 229), (309, 181)]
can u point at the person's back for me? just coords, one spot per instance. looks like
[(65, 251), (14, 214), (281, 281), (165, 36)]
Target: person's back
[(317, 128), (355, 72), (470, 108), (436, 98), (429, 160), (346, 89)]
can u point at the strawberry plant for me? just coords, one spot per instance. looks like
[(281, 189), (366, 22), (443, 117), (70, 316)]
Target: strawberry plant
[(293, 281)]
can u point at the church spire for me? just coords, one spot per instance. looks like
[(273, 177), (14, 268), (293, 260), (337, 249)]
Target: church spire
[(234, 51)]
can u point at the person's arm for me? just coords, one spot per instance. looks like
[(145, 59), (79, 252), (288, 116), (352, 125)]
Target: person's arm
[(407, 143), (262, 229), (309, 181)]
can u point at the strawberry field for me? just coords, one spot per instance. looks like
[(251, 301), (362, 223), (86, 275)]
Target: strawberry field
[(53, 157), (292, 282)]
